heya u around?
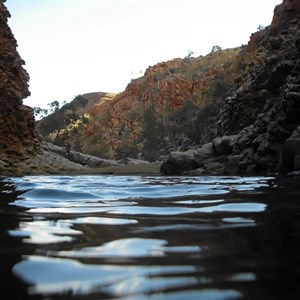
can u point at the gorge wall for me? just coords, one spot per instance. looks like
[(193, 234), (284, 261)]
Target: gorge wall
[(264, 111), (172, 101), (247, 98), (259, 122), (18, 137)]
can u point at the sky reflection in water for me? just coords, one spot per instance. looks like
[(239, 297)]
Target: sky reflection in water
[(136, 237)]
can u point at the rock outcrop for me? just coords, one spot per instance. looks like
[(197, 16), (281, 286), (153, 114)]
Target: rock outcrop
[(211, 158), (18, 137), (52, 159), (264, 110), (290, 154)]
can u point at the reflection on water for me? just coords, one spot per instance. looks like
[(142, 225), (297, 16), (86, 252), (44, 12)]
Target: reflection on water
[(135, 237)]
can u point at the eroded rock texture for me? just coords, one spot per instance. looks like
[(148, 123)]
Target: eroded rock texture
[(18, 137), (264, 110)]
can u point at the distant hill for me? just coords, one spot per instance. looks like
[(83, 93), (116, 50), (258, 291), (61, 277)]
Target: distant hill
[(56, 122)]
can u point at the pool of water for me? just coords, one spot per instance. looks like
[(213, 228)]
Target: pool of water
[(150, 237)]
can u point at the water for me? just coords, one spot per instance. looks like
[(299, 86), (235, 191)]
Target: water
[(135, 237)]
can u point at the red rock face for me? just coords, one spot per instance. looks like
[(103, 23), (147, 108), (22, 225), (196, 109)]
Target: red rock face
[(286, 12), (285, 15), (17, 124), (162, 90)]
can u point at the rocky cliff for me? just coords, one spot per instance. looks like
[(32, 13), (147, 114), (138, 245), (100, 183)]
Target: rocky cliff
[(18, 137), (264, 110), (263, 113)]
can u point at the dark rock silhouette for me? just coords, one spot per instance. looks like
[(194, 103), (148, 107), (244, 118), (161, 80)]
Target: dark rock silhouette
[(264, 110)]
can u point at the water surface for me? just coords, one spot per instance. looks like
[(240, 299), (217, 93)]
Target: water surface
[(150, 237)]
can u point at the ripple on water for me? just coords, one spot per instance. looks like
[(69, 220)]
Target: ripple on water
[(67, 274), (151, 236), (104, 221), (56, 195), (55, 191), (129, 247), (45, 231), (235, 207)]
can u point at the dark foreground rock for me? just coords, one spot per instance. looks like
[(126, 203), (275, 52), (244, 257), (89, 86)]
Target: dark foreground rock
[(263, 111), (290, 154), (211, 158)]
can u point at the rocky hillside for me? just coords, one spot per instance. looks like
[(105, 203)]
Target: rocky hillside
[(265, 109), (260, 120), (18, 137), (59, 119), (174, 101)]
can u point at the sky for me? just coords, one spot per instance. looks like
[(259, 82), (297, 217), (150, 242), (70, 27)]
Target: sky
[(73, 47)]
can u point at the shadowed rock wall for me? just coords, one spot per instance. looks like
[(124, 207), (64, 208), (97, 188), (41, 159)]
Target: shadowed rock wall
[(262, 116), (265, 110), (18, 137)]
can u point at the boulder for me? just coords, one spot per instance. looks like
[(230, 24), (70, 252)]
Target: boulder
[(209, 159), (232, 165), (206, 151), (179, 162), (224, 145), (290, 155), (278, 75)]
